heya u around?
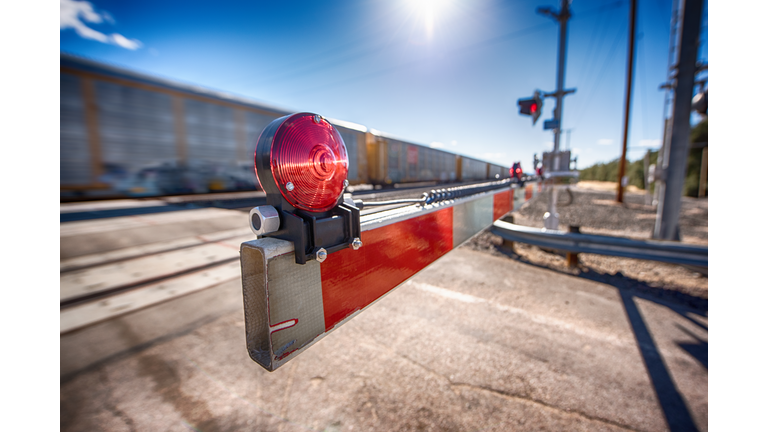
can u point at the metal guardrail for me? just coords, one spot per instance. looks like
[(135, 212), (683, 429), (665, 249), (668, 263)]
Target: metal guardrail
[(653, 250)]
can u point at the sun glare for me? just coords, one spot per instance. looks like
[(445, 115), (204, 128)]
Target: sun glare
[(429, 11)]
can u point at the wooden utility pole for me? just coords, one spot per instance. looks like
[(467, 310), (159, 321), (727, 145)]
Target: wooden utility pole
[(628, 100)]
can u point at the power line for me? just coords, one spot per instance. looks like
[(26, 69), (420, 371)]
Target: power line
[(337, 56), (608, 58), (592, 65), (597, 27), (486, 42)]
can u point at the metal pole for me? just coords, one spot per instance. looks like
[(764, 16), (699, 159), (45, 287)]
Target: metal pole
[(673, 25), (562, 18), (628, 101), (676, 155), (551, 218)]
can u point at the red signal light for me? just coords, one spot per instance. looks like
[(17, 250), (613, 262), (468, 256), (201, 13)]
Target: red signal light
[(534, 107), (309, 162)]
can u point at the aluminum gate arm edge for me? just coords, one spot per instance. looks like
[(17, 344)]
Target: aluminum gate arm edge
[(289, 307)]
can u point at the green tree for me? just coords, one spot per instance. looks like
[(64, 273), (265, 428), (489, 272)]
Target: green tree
[(698, 135), (635, 169)]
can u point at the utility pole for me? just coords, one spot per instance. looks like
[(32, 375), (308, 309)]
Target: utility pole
[(628, 100), (551, 219), (675, 159)]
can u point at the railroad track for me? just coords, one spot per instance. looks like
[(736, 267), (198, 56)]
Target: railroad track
[(155, 265), (107, 283), (243, 201)]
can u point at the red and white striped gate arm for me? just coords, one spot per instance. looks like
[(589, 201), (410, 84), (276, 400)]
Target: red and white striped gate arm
[(290, 306)]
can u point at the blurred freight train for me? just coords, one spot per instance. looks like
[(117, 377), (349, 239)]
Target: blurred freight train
[(127, 134)]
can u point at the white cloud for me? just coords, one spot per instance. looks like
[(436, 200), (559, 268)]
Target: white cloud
[(454, 143), (650, 143), (605, 141), (576, 150), (108, 17), (124, 42), (74, 15), (436, 144)]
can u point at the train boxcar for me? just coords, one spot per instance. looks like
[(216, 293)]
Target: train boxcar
[(393, 160), (127, 134)]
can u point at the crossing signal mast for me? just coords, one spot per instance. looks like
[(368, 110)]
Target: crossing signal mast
[(534, 105)]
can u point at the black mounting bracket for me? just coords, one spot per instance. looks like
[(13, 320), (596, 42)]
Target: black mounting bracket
[(333, 230)]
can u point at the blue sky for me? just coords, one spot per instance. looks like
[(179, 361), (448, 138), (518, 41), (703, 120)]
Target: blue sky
[(445, 73)]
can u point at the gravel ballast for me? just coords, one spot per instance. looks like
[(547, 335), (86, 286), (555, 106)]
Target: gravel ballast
[(595, 210)]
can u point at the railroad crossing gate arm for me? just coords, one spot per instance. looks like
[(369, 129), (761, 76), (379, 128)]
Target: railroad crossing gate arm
[(290, 306)]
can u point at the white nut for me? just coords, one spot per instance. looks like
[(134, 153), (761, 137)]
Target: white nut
[(264, 220), (321, 255)]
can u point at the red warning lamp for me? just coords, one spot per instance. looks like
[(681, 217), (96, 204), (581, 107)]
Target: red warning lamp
[(516, 172), (301, 163), (531, 107), (309, 162)]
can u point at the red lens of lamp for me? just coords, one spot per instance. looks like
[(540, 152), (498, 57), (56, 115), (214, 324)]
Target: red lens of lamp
[(309, 162)]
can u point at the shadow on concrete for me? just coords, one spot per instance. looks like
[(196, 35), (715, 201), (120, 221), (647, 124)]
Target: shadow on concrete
[(673, 405), (698, 350)]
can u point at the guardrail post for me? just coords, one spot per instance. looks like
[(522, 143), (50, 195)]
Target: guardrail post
[(572, 257), (508, 243)]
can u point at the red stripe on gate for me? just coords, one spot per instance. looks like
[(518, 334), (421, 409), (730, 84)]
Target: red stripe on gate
[(502, 203), (353, 279)]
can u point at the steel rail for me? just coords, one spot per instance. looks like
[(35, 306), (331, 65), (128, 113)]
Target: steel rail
[(653, 250)]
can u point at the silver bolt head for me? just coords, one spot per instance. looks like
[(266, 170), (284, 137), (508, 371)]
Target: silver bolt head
[(346, 183), (357, 244), (321, 255), (317, 118), (289, 186), (264, 220)]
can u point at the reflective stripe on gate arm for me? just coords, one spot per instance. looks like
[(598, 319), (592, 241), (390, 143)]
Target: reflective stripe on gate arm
[(353, 279), (289, 306)]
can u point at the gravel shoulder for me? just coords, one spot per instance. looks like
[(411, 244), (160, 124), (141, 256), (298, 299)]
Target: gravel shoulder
[(594, 210)]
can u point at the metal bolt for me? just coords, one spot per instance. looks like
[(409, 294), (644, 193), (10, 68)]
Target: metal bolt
[(357, 243), (346, 183), (321, 255), (289, 186), (317, 118)]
